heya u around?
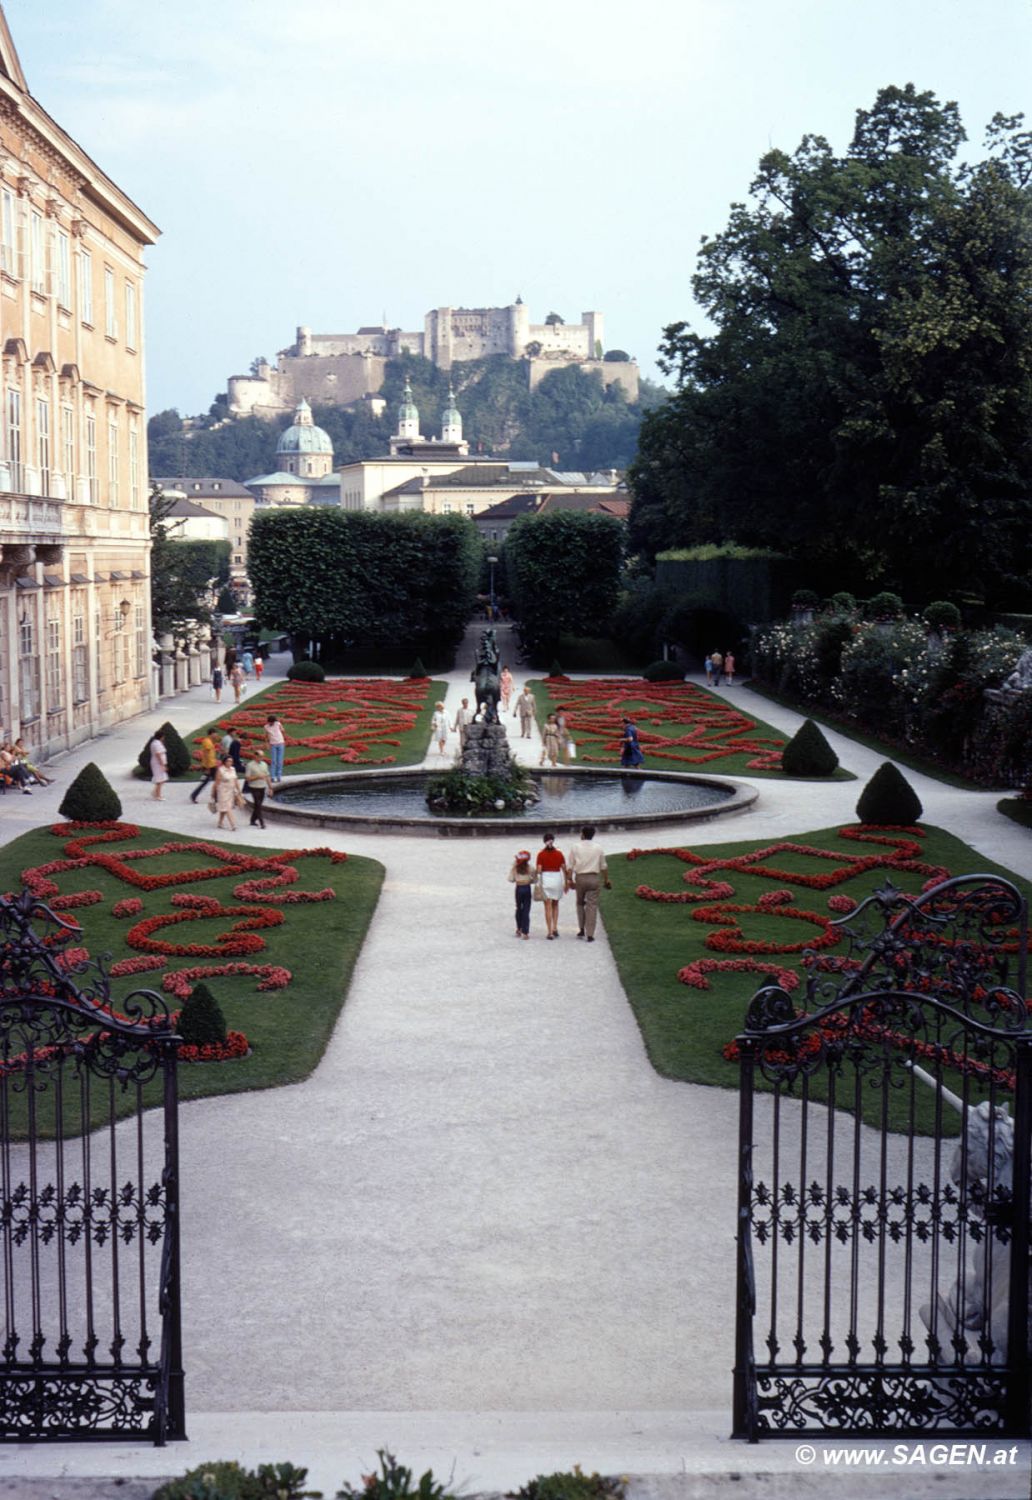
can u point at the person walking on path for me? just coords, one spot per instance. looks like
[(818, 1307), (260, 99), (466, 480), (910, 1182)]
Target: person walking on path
[(718, 667), (630, 749), (277, 747), (227, 793), (463, 719), (523, 877), (209, 764), (256, 779), (247, 662), (158, 764), (551, 867), (259, 667), (234, 753), (236, 679), (439, 724), (505, 688), (216, 683), (550, 741), (565, 737), (708, 669), (729, 669), (525, 709), (588, 871)]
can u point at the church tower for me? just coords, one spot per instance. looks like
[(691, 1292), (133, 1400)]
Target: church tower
[(451, 421), (408, 416)]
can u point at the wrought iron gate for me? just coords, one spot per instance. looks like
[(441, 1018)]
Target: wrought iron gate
[(89, 1212), (883, 1208)]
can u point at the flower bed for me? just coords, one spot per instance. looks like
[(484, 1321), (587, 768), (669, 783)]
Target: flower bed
[(680, 726), (349, 721), (275, 933), (711, 925)]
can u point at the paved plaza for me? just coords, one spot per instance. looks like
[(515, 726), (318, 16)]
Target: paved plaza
[(484, 1229)]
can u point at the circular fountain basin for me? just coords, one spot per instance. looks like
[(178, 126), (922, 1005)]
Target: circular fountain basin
[(395, 802)]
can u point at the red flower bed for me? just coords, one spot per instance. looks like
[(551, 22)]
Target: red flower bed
[(713, 729), (352, 716)]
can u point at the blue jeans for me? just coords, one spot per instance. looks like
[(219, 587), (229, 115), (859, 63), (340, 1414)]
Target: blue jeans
[(276, 762), (523, 900)]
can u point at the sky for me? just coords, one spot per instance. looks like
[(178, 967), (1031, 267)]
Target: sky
[(327, 162)]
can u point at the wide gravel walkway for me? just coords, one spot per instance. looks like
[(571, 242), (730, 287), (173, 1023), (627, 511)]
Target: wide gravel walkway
[(484, 1200)]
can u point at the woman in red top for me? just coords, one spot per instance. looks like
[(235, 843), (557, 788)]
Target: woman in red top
[(551, 867)]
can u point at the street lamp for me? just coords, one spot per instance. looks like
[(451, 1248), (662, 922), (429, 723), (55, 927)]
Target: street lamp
[(492, 561)]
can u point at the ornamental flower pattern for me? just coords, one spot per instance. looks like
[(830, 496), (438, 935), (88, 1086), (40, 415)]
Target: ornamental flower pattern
[(714, 730), (353, 718)]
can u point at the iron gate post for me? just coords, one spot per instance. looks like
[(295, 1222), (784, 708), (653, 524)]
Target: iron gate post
[(1019, 1415), (174, 1412), (744, 1395)]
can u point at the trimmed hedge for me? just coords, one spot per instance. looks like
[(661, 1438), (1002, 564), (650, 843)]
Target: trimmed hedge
[(201, 1021), (306, 671), (91, 798), (888, 798), (663, 671), (808, 753)]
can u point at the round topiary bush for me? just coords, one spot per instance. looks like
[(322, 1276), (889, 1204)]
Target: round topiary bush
[(306, 671), (808, 753), (201, 1022), (91, 798), (805, 599), (418, 669), (884, 606), (941, 615), (179, 758), (663, 671), (843, 603), (888, 798)]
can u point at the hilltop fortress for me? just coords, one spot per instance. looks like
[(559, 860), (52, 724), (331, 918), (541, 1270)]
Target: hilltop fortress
[(336, 369)]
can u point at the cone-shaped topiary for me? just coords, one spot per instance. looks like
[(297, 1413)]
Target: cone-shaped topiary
[(91, 798), (306, 671), (201, 1022), (418, 669), (889, 798), (808, 753), (179, 758), (556, 669)]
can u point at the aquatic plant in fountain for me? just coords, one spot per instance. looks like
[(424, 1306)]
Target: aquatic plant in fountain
[(476, 793)]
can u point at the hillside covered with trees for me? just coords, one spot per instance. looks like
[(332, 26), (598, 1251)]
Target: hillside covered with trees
[(570, 413)]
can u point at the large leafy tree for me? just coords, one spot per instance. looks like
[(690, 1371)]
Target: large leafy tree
[(183, 573), (866, 397)]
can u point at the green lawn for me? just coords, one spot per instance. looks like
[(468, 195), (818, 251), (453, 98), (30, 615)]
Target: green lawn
[(681, 727), (288, 1029), (337, 724), (685, 1029)]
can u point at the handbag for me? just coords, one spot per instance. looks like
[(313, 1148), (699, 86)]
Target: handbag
[(238, 798), (571, 750), (212, 805), (539, 894)]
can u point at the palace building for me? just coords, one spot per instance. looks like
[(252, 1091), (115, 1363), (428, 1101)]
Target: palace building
[(75, 635)]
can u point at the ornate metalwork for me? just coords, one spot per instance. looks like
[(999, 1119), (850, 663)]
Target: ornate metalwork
[(883, 1260), (89, 1177)]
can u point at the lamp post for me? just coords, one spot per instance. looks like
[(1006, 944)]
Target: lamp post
[(491, 562)]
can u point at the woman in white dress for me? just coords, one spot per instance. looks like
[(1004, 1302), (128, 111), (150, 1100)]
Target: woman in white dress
[(158, 764), (227, 792), (439, 724)]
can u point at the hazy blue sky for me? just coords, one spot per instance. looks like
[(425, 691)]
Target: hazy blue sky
[(329, 161)]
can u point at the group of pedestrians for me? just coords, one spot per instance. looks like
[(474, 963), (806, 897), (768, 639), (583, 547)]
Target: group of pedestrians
[(719, 667), (226, 772), (552, 876), (237, 670)]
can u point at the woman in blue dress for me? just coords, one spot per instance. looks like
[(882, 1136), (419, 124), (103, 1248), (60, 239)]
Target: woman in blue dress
[(630, 750)]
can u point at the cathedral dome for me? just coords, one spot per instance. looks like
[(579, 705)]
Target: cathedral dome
[(303, 436)]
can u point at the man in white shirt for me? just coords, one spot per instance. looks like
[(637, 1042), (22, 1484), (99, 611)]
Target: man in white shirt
[(588, 870), (463, 719)]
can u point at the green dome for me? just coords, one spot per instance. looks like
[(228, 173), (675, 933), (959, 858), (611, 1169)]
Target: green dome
[(303, 436)]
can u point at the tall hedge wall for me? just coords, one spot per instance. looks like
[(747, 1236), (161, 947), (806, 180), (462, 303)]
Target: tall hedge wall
[(752, 585), (342, 579), (563, 573)]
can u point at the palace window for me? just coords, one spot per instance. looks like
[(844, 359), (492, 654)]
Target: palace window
[(119, 647), (37, 252), (55, 677), (28, 661), (80, 649), (14, 437), (64, 269), (98, 651), (91, 455), (130, 315), (134, 466), (86, 286), (142, 660), (8, 238), (110, 313), (43, 444), (68, 446), (112, 439)]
